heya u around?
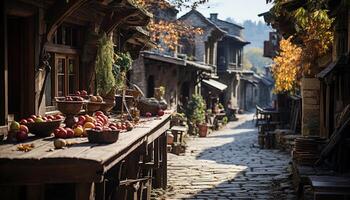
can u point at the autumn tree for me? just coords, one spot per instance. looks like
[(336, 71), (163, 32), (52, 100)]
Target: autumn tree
[(286, 69), (169, 32), (313, 37)]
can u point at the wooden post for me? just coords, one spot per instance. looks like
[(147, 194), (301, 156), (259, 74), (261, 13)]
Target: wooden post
[(84, 191), (3, 66)]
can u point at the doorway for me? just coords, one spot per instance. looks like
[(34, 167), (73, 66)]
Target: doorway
[(21, 62)]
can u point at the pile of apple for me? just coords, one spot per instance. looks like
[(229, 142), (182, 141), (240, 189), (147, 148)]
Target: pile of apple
[(82, 93), (73, 98), (159, 113), (40, 119), (97, 99), (18, 132)]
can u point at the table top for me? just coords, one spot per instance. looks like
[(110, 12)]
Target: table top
[(82, 162)]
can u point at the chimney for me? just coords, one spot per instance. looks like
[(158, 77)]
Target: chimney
[(213, 16)]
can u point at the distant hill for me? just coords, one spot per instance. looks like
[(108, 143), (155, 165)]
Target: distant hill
[(255, 33)]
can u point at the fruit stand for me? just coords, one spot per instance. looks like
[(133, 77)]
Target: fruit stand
[(97, 171)]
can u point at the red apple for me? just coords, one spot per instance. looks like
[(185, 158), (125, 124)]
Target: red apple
[(160, 112), (107, 129), (33, 116), (81, 123), (56, 131), (30, 120), (50, 117), (83, 93), (24, 128), (99, 124), (124, 127), (44, 118), (114, 128), (97, 113), (82, 118), (148, 114), (98, 128), (58, 117), (62, 133), (77, 93), (23, 121), (70, 133), (21, 136)]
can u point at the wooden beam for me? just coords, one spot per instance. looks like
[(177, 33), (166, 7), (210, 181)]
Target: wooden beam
[(114, 18), (58, 12)]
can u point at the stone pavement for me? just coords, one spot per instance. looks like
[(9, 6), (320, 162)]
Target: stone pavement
[(228, 165)]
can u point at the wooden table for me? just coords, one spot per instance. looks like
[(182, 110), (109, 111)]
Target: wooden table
[(82, 164)]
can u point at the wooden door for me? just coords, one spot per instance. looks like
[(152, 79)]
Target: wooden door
[(21, 65)]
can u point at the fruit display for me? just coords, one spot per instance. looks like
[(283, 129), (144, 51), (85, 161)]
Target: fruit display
[(42, 125), (73, 98), (18, 132), (64, 133), (70, 108), (151, 105)]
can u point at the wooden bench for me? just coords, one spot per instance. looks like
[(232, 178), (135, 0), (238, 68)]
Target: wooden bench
[(330, 187)]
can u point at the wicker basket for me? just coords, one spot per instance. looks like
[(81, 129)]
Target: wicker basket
[(145, 107), (102, 137), (43, 129)]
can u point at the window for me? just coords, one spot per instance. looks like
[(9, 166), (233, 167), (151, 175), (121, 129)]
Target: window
[(66, 74), (67, 35)]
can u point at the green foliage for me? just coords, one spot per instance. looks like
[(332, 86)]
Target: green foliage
[(196, 109), (225, 120), (122, 65), (104, 65)]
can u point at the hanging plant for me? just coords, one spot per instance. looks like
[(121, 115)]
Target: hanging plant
[(122, 65), (104, 65)]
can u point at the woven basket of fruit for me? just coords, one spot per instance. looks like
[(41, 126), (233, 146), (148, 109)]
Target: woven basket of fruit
[(103, 137), (148, 106), (70, 106), (92, 107), (44, 129)]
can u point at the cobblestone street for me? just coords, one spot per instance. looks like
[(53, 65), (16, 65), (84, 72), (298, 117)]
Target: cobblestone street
[(229, 165)]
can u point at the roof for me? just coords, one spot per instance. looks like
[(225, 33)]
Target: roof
[(237, 38), (215, 84), (230, 23), (198, 65), (204, 19), (242, 71), (163, 58), (176, 61)]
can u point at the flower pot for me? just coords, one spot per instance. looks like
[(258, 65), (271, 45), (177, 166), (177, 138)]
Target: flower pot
[(202, 130)]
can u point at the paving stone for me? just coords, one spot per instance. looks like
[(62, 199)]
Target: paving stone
[(228, 165)]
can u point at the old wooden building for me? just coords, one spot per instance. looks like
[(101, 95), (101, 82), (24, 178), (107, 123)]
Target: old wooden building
[(49, 47)]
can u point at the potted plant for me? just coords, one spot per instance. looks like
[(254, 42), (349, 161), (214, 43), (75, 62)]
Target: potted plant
[(105, 80), (196, 114)]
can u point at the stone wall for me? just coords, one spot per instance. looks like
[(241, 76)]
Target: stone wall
[(310, 91), (138, 74)]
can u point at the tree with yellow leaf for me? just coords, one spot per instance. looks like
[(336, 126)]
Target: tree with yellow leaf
[(286, 69), (169, 32)]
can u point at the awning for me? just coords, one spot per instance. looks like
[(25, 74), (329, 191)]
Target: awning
[(215, 84)]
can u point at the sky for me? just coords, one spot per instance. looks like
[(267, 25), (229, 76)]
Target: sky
[(239, 10)]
